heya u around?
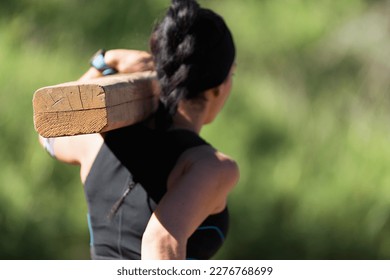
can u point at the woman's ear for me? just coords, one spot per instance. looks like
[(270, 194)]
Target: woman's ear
[(216, 91), (212, 93)]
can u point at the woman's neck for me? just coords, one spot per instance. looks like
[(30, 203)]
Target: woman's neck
[(189, 117)]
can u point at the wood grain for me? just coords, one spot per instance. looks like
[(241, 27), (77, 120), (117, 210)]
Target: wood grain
[(96, 105)]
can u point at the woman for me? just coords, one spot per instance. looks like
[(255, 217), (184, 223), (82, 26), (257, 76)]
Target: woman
[(156, 190)]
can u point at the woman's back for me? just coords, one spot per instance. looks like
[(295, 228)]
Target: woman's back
[(126, 182)]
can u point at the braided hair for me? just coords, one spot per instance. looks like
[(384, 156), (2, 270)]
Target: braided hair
[(193, 51)]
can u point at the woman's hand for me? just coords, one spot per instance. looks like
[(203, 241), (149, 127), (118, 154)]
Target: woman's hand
[(129, 61), (123, 61)]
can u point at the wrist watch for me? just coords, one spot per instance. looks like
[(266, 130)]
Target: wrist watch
[(97, 61)]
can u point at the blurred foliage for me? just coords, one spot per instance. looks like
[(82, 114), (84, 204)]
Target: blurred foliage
[(308, 123)]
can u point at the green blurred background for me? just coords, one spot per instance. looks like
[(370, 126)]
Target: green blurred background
[(308, 123)]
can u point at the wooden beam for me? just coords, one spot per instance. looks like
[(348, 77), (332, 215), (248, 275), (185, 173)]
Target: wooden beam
[(96, 105)]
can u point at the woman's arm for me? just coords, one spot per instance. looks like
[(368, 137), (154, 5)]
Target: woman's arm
[(78, 150), (83, 148), (200, 190)]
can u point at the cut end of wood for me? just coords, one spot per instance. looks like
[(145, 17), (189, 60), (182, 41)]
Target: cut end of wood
[(96, 105)]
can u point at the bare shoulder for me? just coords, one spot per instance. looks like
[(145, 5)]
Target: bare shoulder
[(215, 160), (211, 163), (207, 154)]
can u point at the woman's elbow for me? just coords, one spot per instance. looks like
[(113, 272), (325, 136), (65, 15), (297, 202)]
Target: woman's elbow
[(158, 243)]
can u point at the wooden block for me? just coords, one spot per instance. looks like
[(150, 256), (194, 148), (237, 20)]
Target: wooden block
[(95, 105)]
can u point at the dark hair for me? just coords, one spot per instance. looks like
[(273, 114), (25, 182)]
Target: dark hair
[(193, 50)]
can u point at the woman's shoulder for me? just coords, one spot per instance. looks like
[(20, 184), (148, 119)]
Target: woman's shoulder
[(211, 163), (212, 158)]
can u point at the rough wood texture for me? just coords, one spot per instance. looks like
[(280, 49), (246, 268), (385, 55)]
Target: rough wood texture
[(96, 105)]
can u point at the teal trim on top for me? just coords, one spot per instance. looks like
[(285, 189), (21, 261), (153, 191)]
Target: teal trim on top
[(91, 241), (213, 228)]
